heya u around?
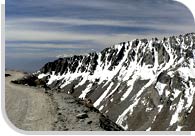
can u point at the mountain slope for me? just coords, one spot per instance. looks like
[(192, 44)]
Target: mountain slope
[(140, 85)]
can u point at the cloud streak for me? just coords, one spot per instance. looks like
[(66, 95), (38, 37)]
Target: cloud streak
[(62, 32), (88, 24)]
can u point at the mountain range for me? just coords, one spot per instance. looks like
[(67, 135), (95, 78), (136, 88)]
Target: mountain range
[(140, 84)]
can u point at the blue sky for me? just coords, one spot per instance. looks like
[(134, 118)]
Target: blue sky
[(44, 25)]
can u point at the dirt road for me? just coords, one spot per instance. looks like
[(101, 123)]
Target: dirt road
[(28, 108)]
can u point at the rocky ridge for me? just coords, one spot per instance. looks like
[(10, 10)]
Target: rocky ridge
[(140, 84)]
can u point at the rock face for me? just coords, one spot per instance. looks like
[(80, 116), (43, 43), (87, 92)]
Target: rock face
[(141, 84)]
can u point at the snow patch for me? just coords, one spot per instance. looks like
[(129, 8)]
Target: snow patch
[(148, 109), (103, 95), (179, 128), (160, 87), (175, 116), (42, 75), (84, 93), (148, 129), (113, 91), (101, 108)]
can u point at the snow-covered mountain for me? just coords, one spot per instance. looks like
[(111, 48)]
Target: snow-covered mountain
[(140, 84)]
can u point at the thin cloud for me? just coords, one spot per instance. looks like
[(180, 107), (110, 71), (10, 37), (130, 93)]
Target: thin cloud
[(93, 23)]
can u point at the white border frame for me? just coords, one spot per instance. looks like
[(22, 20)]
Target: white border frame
[(7, 128)]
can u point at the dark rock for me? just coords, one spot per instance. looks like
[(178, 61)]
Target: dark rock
[(163, 78), (7, 75), (189, 54), (148, 59), (65, 129), (59, 113), (117, 58), (169, 102), (109, 125), (71, 91), (30, 80), (89, 122), (176, 82)]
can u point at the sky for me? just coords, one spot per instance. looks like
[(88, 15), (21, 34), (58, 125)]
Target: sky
[(43, 29)]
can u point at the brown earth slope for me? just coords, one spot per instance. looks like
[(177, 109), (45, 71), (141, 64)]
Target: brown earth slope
[(28, 108)]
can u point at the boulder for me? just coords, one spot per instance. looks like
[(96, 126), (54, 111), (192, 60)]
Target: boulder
[(7, 75), (82, 116)]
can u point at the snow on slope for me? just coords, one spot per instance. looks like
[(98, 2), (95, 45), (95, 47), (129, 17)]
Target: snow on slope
[(120, 77)]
